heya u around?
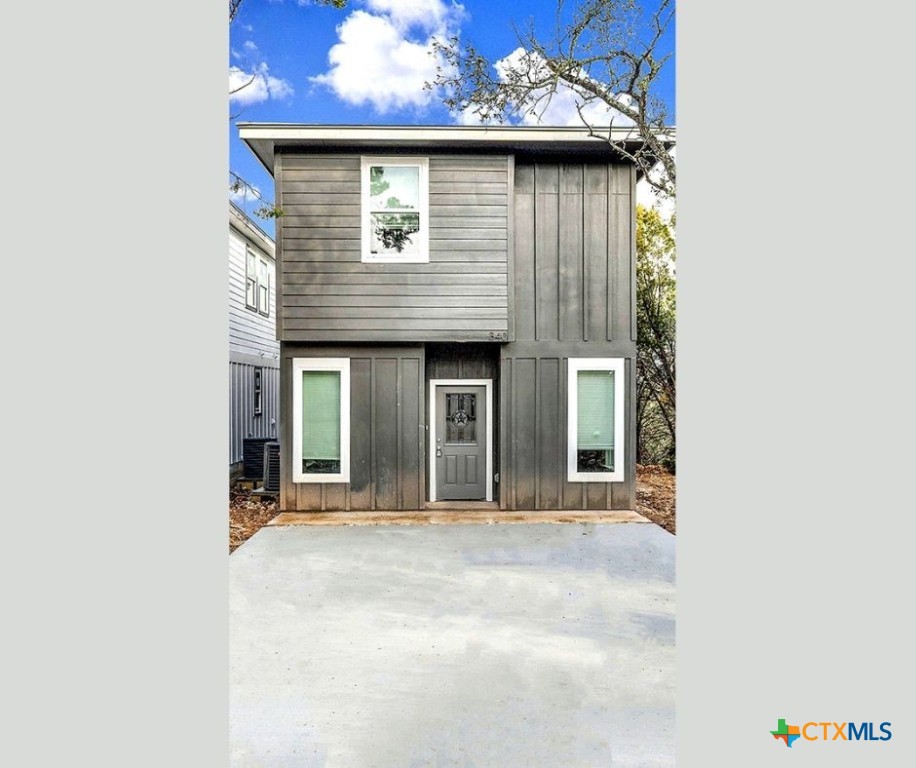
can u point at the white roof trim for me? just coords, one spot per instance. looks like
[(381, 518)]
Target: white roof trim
[(240, 221), (436, 134), (263, 138)]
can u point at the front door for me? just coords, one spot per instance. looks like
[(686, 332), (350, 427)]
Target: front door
[(461, 442)]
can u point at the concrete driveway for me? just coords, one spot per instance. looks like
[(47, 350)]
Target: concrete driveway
[(453, 645)]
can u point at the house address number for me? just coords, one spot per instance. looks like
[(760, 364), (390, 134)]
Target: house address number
[(499, 335)]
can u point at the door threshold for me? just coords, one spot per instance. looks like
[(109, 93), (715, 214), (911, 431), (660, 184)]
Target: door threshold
[(459, 505)]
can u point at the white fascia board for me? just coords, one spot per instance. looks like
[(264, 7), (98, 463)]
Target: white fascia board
[(436, 135), (263, 138)]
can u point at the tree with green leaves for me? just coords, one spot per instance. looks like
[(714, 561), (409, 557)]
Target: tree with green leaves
[(606, 52), (656, 339)]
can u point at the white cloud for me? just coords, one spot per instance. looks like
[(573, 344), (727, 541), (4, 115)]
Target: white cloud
[(431, 15), (469, 117), (385, 58), (249, 47), (256, 86)]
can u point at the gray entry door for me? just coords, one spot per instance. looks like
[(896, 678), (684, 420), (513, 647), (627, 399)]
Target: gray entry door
[(461, 442)]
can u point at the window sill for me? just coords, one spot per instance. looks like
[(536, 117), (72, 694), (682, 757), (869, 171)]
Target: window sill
[(321, 479), (595, 477), (396, 260)]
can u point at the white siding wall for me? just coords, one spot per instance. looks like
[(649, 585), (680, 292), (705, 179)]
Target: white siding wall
[(252, 343), (250, 333)]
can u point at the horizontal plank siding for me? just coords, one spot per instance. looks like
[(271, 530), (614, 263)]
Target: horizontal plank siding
[(463, 187), (366, 288), (383, 335), (380, 313), (361, 302), (449, 269), (250, 332), (252, 345), (391, 326), (405, 280), (324, 280), (345, 176), (335, 205)]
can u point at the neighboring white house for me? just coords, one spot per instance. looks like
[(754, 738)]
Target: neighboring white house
[(254, 352)]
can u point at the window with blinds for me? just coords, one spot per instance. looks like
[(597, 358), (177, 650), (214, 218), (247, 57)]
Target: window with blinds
[(595, 440), (321, 420)]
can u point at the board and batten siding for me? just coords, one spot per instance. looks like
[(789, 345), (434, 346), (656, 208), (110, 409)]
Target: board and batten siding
[(574, 297), (575, 261), (328, 294), (387, 432), (533, 403)]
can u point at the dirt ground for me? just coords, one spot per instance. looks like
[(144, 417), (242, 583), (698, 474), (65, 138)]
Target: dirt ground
[(655, 495), (247, 514), (655, 499)]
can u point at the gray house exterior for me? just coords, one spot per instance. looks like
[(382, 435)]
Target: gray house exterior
[(456, 317), (254, 352)]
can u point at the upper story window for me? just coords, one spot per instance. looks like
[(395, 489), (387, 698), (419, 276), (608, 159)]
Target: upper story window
[(395, 209), (257, 283)]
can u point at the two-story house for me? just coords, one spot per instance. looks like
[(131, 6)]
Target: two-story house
[(455, 311), (254, 352)]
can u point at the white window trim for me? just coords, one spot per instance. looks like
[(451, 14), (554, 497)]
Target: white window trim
[(257, 390), (433, 383), (342, 365), (259, 261), (265, 311), (253, 278), (411, 162), (617, 365)]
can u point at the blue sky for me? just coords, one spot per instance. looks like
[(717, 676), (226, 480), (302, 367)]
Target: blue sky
[(366, 64)]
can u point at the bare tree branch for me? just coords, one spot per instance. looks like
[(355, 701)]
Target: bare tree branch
[(234, 6), (609, 52), (244, 85)]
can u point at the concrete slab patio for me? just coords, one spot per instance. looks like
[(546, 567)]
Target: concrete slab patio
[(453, 645)]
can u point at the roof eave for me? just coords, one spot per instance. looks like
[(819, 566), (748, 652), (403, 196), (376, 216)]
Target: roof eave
[(264, 138), (247, 227)]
